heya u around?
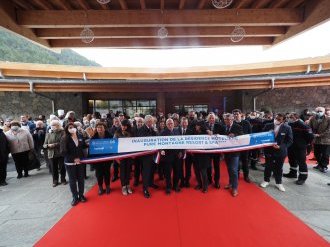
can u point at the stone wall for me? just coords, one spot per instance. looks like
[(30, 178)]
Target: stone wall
[(288, 100), (13, 104)]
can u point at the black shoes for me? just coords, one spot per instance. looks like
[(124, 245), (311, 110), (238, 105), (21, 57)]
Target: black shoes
[(323, 169), (101, 191), (290, 175), (108, 190), (64, 182), (82, 198), (187, 184), (247, 179), (74, 202), (198, 187), (26, 175), (19, 176), (168, 191), (55, 184), (4, 183), (177, 189), (217, 185), (154, 186), (300, 182), (204, 190), (146, 193)]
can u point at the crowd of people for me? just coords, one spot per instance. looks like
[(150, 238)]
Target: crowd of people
[(63, 140)]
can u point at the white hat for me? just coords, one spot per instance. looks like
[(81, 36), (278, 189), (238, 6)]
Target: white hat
[(103, 115), (60, 112)]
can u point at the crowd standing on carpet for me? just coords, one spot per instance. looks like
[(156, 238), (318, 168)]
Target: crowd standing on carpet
[(62, 141)]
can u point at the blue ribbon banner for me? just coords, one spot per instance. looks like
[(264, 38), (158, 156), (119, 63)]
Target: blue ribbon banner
[(193, 143)]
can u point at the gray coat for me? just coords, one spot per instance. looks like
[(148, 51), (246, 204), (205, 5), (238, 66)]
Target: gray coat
[(19, 141), (54, 137), (322, 128)]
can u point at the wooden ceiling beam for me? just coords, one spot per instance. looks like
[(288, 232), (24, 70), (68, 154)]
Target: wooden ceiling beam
[(152, 18), (74, 33), (259, 4), (158, 43), (23, 4), (278, 4), (64, 4), (316, 12), (238, 4), (45, 5), (162, 5), (84, 4), (123, 4), (143, 4), (294, 3), (8, 21), (181, 4), (201, 4)]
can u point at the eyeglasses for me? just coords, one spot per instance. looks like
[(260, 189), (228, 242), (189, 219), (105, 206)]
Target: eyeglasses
[(319, 111)]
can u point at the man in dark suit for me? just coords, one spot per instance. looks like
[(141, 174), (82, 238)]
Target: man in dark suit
[(215, 127), (187, 127), (244, 155), (147, 160), (276, 154), (171, 159), (231, 129), (187, 162), (302, 137)]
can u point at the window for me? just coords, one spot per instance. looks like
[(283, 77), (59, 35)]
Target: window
[(128, 106), (184, 109)]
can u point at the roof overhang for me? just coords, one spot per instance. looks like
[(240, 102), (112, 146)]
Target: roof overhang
[(62, 78)]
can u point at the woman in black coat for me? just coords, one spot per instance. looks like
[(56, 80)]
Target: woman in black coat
[(201, 161), (125, 164), (71, 146), (102, 169)]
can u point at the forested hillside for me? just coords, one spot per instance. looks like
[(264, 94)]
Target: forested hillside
[(17, 49)]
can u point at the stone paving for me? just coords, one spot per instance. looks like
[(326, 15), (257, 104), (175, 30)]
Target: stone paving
[(29, 207)]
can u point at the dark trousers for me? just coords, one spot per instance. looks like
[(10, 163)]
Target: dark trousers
[(21, 162), (187, 167), (160, 168), (297, 158), (57, 164), (115, 169), (244, 158), (180, 164), (172, 164), (201, 163), (102, 173), (38, 149), (274, 164), (216, 165), (232, 162), (125, 170), (321, 153), (254, 157), (3, 170), (147, 170), (137, 169), (76, 177)]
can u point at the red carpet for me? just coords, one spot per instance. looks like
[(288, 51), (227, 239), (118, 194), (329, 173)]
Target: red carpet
[(187, 219)]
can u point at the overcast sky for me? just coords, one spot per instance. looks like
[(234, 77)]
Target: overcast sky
[(312, 43)]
